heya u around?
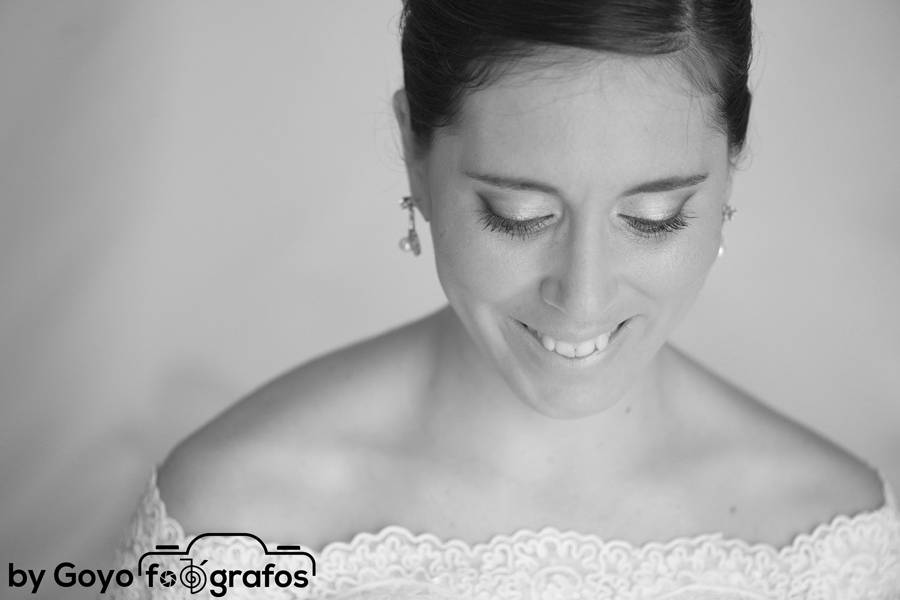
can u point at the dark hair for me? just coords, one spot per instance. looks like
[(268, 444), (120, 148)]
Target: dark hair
[(453, 47)]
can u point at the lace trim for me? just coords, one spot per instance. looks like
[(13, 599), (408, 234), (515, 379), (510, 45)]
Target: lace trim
[(854, 554)]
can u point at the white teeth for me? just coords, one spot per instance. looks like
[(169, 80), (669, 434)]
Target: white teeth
[(571, 350), (584, 348), (548, 342), (566, 349)]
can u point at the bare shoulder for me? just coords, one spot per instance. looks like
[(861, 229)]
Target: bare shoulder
[(788, 477), (288, 460)]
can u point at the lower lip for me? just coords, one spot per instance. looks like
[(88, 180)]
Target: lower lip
[(584, 361)]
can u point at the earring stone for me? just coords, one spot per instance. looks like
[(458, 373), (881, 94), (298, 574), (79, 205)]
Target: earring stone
[(410, 243)]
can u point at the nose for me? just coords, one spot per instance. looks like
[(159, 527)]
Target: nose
[(582, 283)]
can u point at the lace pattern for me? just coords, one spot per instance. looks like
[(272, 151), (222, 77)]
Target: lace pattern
[(850, 557)]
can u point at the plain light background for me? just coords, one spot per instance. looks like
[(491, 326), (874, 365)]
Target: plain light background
[(197, 196)]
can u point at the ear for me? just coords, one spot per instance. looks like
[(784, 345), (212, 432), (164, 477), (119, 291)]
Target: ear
[(726, 196), (414, 158), (728, 181)]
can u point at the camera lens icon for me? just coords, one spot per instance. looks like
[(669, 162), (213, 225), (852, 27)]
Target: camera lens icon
[(167, 578), (192, 576)]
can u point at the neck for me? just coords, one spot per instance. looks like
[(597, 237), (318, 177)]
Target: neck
[(473, 415)]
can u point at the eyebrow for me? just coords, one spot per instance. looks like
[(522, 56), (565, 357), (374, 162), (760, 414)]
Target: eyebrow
[(665, 184)]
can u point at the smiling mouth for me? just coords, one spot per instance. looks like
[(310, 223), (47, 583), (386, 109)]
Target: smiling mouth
[(574, 350)]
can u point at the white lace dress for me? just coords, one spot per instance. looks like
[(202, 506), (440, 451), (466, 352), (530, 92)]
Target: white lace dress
[(850, 557)]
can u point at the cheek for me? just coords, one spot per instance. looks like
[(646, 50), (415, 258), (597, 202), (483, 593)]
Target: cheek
[(674, 273), (474, 264)]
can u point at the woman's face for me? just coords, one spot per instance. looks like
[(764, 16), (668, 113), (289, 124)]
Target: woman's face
[(575, 214)]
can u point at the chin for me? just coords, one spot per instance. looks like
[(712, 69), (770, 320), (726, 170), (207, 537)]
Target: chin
[(565, 402)]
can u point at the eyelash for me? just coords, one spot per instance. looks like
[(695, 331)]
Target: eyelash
[(524, 229), (512, 227), (658, 229)]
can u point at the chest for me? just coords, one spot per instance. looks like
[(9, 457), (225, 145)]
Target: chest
[(475, 508)]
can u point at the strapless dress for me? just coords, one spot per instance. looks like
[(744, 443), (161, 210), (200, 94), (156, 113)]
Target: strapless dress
[(850, 557)]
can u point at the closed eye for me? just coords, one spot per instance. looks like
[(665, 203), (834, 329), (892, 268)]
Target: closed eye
[(651, 228), (512, 227)]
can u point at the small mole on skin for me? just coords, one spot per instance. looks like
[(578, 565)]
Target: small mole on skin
[(732, 509), (627, 409)]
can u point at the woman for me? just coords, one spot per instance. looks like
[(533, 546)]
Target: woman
[(538, 437)]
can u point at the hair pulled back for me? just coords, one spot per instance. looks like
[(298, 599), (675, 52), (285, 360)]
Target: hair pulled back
[(453, 47)]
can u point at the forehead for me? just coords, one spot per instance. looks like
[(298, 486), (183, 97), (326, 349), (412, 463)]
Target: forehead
[(618, 115)]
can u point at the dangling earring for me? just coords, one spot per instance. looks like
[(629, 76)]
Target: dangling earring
[(728, 211), (410, 243), (727, 214)]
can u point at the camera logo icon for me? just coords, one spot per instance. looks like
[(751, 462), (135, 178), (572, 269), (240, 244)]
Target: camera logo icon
[(162, 567)]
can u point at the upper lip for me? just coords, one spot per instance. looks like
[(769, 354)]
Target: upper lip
[(575, 337)]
